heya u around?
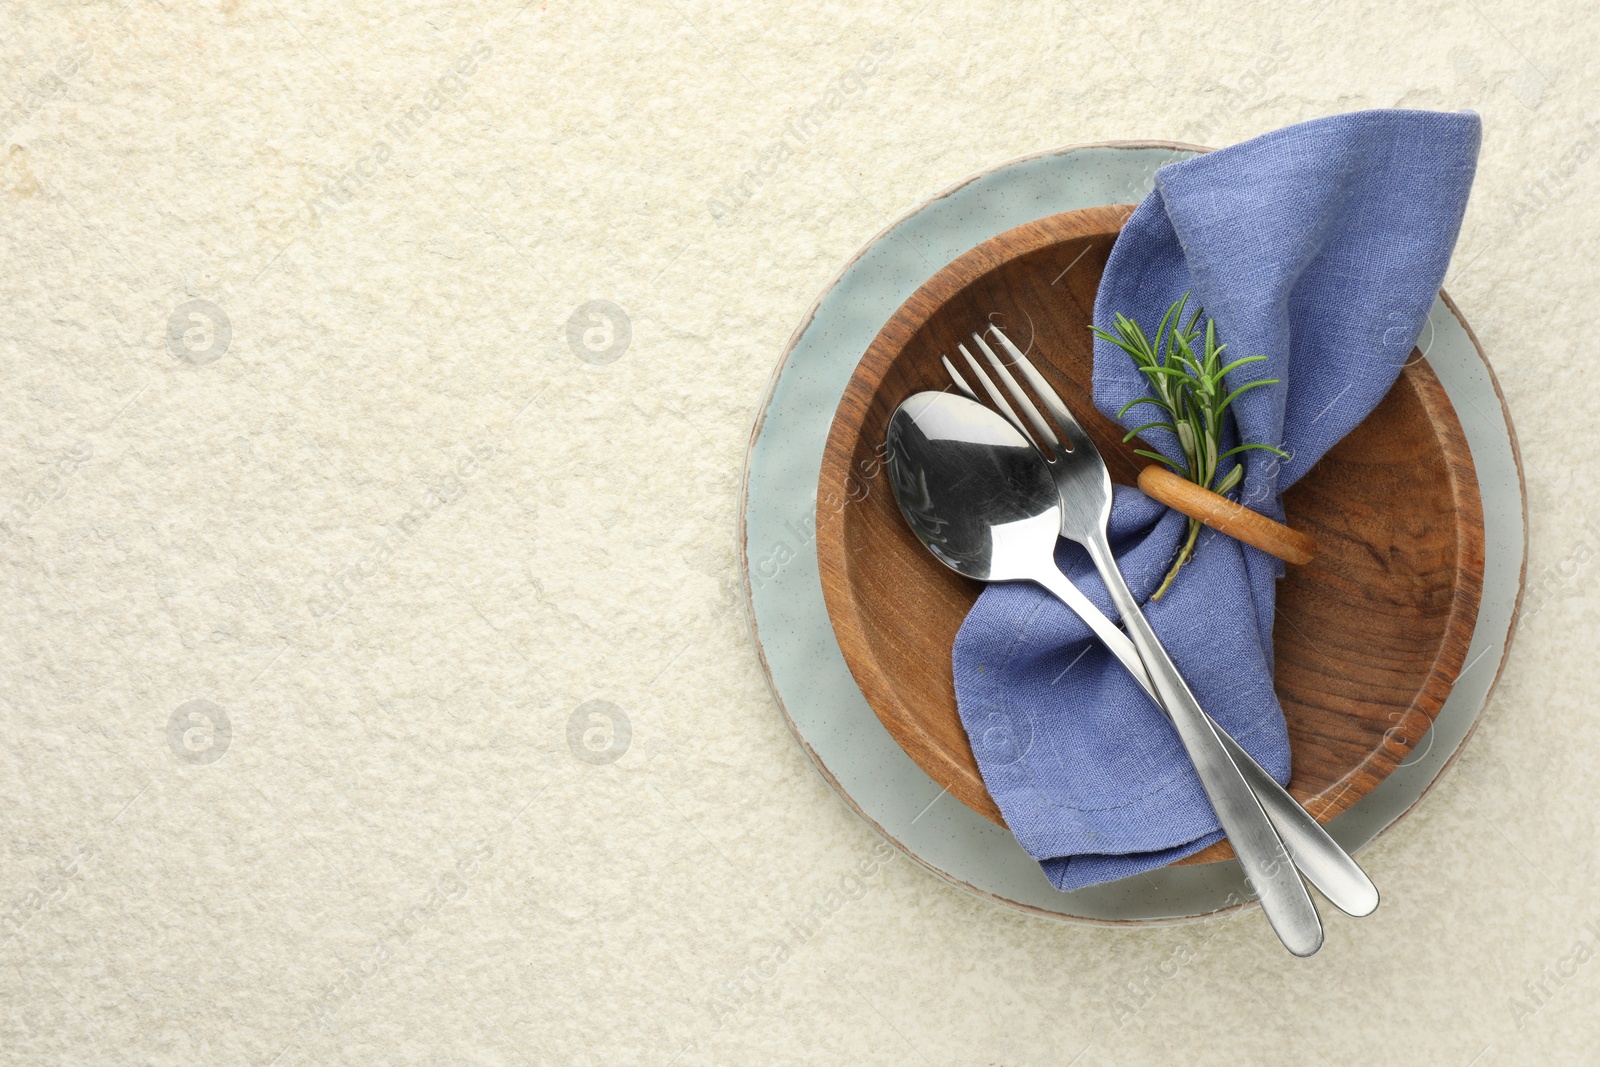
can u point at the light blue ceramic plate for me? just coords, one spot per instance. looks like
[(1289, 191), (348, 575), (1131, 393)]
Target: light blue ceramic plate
[(789, 622)]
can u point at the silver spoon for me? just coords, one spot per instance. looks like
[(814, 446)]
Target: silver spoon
[(980, 497)]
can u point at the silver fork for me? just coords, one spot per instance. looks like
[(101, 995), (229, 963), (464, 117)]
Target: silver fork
[(1084, 485), (1320, 858)]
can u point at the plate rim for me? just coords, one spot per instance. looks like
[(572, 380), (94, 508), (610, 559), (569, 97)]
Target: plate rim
[(747, 602)]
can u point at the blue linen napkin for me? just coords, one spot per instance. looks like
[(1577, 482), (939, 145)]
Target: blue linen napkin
[(1320, 246)]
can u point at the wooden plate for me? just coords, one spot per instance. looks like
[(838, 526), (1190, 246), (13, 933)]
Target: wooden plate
[(1369, 638)]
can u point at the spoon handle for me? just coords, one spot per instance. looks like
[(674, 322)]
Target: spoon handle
[(1266, 864), (1319, 857)]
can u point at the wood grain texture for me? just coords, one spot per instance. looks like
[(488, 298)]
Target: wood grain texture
[(1370, 635)]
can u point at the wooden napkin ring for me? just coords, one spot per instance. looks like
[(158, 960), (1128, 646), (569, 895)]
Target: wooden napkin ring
[(1224, 516)]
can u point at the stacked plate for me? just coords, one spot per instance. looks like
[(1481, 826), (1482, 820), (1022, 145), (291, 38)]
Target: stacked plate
[(1387, 645)]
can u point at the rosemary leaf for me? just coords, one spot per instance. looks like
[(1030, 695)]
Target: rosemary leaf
[(1189, 386)]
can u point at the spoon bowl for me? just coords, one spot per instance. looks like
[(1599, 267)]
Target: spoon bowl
[(972, 489)]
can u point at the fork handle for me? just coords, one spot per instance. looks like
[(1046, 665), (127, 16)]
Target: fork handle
[(1261, 854), (1320, 858)]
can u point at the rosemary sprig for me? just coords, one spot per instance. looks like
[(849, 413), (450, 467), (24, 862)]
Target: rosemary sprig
[(1190, 391)]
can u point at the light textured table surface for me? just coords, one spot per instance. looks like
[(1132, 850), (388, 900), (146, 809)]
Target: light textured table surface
[(305, 420)]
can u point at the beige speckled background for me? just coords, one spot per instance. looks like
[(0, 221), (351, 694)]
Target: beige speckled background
[(294, 426)]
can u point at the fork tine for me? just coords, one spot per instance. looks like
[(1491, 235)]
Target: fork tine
[(995, 394), (1052, 399), (1017, 393), (955, 376)]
